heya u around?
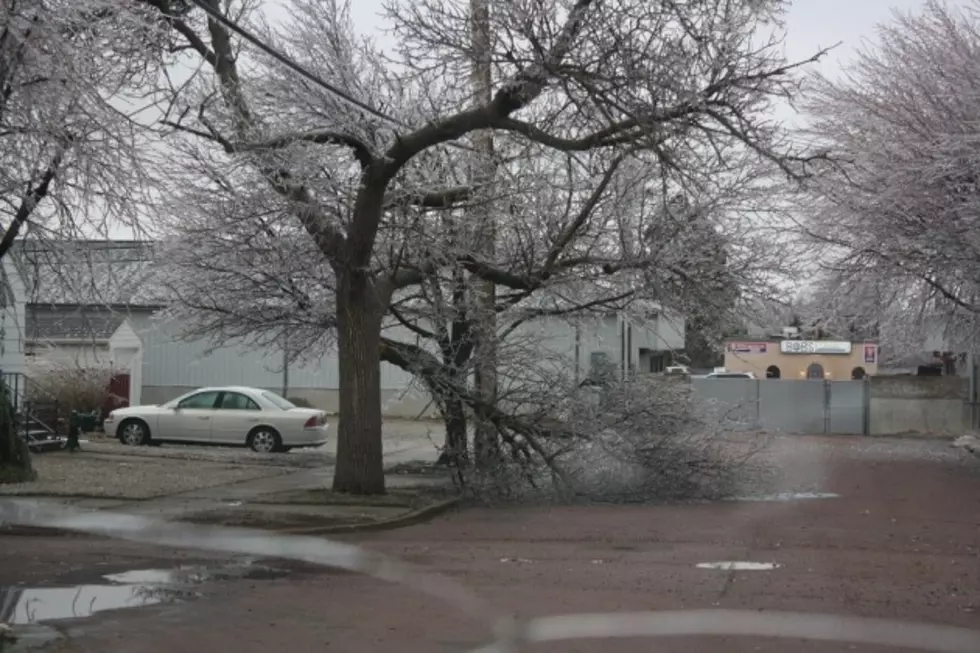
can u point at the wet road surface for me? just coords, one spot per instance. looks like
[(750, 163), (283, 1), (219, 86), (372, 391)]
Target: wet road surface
[(901, 541)]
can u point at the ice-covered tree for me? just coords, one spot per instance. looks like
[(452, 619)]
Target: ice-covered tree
[(74, 78), (897, 222), (72, 74), (595, 106)]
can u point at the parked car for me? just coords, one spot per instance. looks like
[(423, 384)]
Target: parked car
[(258, 419), (730, 375)]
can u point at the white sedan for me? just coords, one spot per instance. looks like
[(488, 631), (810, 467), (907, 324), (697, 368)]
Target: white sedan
[(233, 415)]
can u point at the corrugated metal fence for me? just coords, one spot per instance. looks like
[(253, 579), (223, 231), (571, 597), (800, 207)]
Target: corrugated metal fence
[(789, 406)]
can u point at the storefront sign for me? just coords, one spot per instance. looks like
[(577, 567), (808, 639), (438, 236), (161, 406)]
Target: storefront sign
[(814, 347), (747, 347), (870, 353)]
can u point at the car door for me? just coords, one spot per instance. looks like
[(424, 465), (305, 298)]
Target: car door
[(236, 414), (190, 419)]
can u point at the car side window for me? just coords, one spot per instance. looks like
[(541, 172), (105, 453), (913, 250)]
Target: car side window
[(237, 401), (200, 400)]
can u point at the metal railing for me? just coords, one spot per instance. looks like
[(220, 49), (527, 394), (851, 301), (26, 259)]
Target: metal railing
[(37, 414)]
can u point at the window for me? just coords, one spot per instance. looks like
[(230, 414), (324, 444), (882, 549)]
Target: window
[(200, 400), (237, 401), (278, 401)]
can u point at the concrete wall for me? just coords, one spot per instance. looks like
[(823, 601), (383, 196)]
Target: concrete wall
[(838, 367), (934, 405)]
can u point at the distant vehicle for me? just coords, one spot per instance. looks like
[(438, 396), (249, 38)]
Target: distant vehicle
[(677, 370), (730, 375), (234, 415)]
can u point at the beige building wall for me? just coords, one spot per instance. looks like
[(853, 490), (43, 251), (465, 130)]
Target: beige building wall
[(762, 354)]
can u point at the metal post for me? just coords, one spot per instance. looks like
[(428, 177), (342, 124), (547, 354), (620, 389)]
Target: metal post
[(826, 405), (971, 364), (285, 364), (866, 406), (622, 348), (629, 350)]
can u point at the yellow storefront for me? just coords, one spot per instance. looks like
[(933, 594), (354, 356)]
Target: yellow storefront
[(836, 360)]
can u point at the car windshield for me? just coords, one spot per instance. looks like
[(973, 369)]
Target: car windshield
[(279, 402), (176, 400)]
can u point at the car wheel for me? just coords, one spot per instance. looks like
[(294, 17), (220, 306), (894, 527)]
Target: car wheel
[(264, 439), (134, 432)]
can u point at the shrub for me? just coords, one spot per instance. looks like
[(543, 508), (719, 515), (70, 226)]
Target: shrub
[(301, 402), (71, 387)]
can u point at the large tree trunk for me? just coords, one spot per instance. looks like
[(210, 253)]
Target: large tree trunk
[(454, 417), (15, 458), (360, 456)]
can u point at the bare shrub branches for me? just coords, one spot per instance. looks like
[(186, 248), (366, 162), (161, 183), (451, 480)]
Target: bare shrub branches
[(73, 385)]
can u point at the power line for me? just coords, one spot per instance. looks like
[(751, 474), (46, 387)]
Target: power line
[(316, 79)]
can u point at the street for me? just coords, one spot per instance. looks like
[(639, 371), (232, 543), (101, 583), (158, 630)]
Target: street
[(900, 541)]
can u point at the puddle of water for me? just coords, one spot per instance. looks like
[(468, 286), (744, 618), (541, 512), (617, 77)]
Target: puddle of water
[(733, 565), (36, 604), (128, 589), (788, 496)]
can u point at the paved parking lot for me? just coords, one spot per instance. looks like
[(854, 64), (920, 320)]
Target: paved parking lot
[(900, 541)]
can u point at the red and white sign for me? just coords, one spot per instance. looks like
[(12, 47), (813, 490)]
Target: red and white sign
[(747, 347), (870, 353)]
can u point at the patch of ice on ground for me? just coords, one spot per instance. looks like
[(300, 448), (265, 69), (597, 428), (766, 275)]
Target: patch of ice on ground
[(969, 442), (737, 565), (787, 496)]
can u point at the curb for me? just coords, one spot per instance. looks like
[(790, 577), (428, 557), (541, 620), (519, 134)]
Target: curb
[(408, 519), (43, 531), (907, 435), (78, 495)]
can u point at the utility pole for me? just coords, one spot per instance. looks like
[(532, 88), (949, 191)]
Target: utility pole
[(486, 444), (285, 363)]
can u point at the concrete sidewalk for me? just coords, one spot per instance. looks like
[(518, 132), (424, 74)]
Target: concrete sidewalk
[(253, 491)]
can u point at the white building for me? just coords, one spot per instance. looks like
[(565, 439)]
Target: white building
[(90, 303)]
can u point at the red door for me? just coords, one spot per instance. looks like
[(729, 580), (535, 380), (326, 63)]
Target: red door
[(118, 394)]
